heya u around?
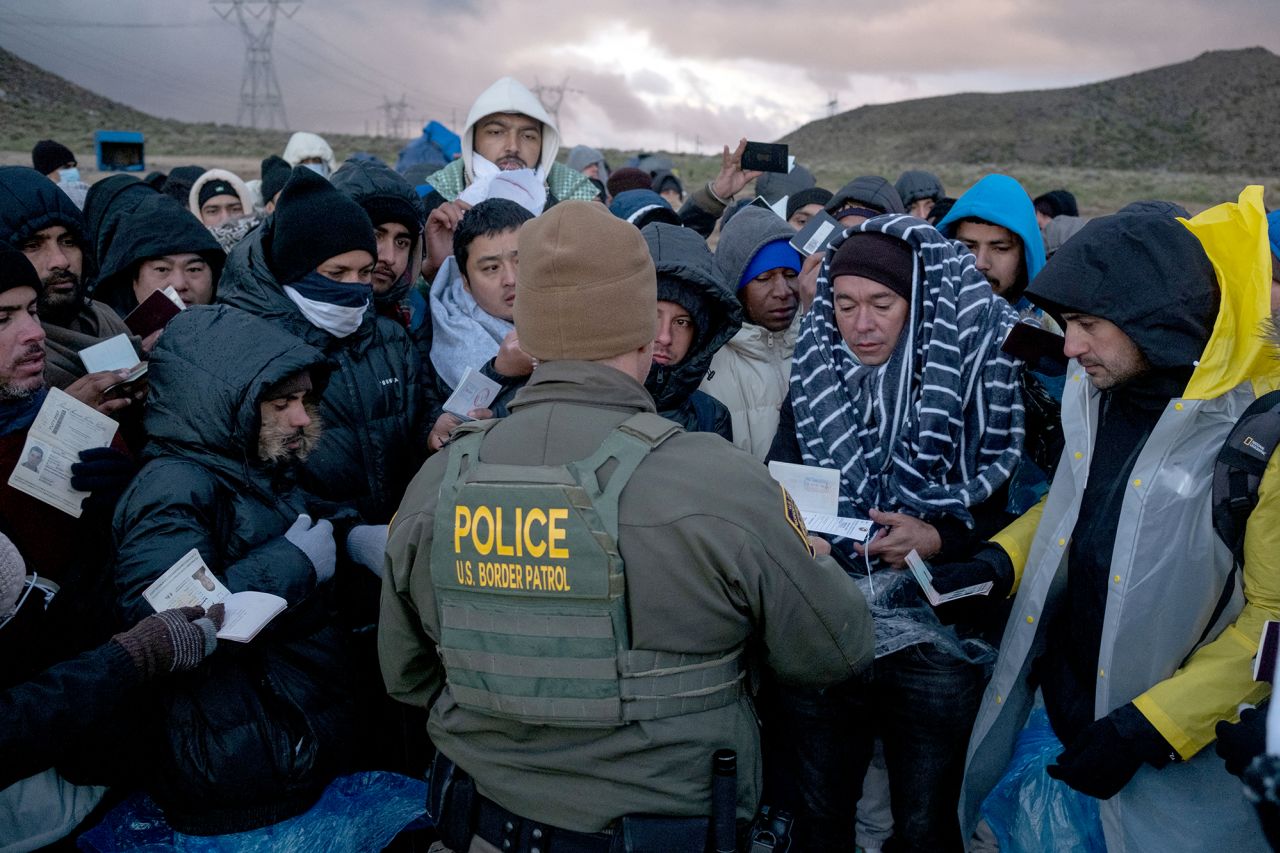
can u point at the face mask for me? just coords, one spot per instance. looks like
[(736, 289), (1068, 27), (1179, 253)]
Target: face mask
[(331, 305), (68, 176), (321, 169)]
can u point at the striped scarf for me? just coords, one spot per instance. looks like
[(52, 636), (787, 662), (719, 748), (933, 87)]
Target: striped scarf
[(938, 427)]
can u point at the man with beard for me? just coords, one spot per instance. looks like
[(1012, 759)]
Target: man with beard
[(307, 270), (38, 219), (397, 215), (507, 130), (1131, 626), (227, 438)]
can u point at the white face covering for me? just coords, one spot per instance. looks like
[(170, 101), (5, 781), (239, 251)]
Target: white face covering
[(68, 176), (523, 186), (321, 169), (338, 320)]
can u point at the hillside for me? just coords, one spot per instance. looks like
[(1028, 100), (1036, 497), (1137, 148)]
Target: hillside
[(35, 104), (1218, 113)]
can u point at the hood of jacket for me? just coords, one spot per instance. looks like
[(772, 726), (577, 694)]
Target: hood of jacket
[(237, 183), (509, 95), (679, 253), (369, 183), (1001, 200), (204, 406), (750, 229), (30, 202), (248, 283), (1147, 274), (107, 202), (304, 146), (158, 226), (582, 156)]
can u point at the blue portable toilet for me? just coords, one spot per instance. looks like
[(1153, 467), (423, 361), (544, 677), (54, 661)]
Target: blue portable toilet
[(119, 151)]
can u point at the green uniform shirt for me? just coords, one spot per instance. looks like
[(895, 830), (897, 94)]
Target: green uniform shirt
[(712, 562)]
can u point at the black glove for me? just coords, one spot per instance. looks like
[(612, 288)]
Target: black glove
[(990, 563), (1106, 755), (104, 473), (1239, 743)]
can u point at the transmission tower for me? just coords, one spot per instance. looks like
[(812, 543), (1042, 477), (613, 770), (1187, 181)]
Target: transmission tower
[(833, 104), (260, 97), (395, 117), (551, 97)]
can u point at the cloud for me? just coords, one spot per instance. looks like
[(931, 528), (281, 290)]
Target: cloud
[(641, 74)]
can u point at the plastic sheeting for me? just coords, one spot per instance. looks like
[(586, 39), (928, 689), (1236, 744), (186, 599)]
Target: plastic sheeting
[(1031, 812), (360, 812), (903, 618)]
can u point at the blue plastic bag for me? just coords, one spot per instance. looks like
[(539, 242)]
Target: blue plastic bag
[(1031, 812), (360, 812)]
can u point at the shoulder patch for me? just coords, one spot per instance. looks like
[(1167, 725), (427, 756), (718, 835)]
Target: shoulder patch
[(794, 518)]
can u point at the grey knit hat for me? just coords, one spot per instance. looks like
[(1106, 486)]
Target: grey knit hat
[(750, 230)]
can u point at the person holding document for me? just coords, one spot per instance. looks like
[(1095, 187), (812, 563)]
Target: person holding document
[(274, 720), (899, 383)]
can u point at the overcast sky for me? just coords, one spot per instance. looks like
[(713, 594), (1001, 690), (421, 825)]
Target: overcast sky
[(659, 73)]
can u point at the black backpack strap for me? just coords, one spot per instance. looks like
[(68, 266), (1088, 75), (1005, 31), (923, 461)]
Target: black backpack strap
[(1237, 473)]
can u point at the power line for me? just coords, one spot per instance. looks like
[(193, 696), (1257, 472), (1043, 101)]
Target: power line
[(259, 89)]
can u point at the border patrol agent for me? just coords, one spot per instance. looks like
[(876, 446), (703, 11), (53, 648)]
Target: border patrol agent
[(575, 590)]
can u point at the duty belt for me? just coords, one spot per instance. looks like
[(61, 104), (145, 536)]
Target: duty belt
[(511, 833)]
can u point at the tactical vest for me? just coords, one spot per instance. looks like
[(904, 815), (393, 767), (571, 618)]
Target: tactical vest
[(531, 592)]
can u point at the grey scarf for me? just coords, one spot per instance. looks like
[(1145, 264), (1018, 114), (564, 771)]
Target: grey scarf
[(463, 334)]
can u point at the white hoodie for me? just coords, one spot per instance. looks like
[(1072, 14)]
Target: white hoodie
[(508, 95), (303, 146)]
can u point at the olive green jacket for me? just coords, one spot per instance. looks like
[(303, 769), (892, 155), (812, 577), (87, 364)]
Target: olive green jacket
[(711, 563)]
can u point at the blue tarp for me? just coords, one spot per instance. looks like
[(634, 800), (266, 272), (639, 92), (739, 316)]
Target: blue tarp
[(437, 147)]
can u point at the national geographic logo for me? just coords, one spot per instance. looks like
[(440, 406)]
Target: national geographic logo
[(1256, 446)]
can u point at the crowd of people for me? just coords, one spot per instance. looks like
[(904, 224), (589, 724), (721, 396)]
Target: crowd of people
[(496, 437)]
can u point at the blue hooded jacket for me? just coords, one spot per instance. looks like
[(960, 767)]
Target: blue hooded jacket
[(1001, 200), (1273, 231)]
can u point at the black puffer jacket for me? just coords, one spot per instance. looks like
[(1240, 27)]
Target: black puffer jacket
[(254, 734), (376, 425), (679, 253), (158, 226), (375, 186)]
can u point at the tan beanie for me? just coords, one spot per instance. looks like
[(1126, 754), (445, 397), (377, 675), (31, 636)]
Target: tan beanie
[(586, 288)]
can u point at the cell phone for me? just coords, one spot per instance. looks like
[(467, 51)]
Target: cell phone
[(764, 157), (1040, 349)]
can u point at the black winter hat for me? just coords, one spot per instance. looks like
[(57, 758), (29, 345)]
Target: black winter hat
[(180, 181), (213, 189), (384, 209), (49, 156), (314, 221), (16, 271), (275, 172), (1057, 203), (879, 257), (813, 195)]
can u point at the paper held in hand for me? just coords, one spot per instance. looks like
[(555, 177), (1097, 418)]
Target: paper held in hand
[(189, 583), (816, 492), (475, 391), (63, 427), (924, 577)]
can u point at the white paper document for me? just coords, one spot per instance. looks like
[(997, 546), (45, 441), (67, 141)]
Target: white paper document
[(112, 354), (475, 391), (63, 427), (920, 569), (189, 583), (816, 492)]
